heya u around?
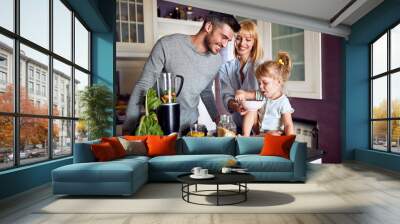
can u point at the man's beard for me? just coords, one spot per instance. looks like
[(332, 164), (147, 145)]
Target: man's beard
[(207, 42)]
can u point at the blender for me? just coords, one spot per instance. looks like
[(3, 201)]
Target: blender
[(168, 113)]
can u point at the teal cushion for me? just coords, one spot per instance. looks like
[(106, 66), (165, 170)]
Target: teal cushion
[(257, 163), (207, 145), (185, 163), (83, 152), (249, 145), (111, 171), (133, 157)]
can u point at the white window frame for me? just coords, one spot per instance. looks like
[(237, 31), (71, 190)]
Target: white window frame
[(141, 50), (311, 88)]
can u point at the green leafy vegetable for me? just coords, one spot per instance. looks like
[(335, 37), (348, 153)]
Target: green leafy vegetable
[(148, 124), (152, 101)]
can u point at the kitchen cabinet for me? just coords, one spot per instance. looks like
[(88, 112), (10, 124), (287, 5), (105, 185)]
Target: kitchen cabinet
[(304, 47), (135, 27)]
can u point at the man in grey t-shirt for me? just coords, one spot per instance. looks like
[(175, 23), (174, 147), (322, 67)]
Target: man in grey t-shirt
[(196, 58)]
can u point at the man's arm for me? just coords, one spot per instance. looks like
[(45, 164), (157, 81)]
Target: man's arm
[(208, 99), (154, 66)]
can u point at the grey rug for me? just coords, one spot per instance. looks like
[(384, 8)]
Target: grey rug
[(166, 198)]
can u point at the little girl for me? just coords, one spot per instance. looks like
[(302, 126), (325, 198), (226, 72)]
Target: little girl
[(277, 117)]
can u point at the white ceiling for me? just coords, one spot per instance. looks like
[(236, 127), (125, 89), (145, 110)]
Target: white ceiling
[(315, 15), (321, 9)]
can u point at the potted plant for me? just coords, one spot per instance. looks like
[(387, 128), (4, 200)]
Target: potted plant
[(96, 103)]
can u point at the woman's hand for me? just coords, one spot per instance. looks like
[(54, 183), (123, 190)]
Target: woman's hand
[(235, 106)]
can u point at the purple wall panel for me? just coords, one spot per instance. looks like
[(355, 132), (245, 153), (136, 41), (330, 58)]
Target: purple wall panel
[(327, 112)]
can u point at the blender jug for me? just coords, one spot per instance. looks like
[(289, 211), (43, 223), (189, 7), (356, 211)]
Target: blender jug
[(166, 87), (168, 113)]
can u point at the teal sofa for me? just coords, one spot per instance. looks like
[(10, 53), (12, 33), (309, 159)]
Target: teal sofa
[(125, 176)]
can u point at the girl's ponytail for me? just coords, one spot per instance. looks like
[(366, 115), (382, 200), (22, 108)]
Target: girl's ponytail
[(284, 64)]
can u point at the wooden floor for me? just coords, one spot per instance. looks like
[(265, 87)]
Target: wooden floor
[(377, 188)]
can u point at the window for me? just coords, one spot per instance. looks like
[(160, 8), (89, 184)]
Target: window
[(304, 48), (81, 45), (38, 89), (81, 81), (3, 79), (7, 14), (62, 29), (34, 22), (291, 40), (30, 87), (130, 22), (62, 143), (385, 94), (7, 74), (37, 74), (30, 72), (62, 77), (45, 132), (3, 61), (3, 72), (44, 91)]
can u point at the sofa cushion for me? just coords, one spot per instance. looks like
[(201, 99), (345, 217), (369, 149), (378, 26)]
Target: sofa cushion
[(135, 137), (111, 171), (128, 159), (117, 146), (277, 145), (161, 145), (185, 163), (257, 163), (249, 145), (83, 152), (103, 152), (133, 147), (207, 145)]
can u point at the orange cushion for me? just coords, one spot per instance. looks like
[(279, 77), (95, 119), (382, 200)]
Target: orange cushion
[(103, 152), (277, 145), (116, 145), (135, 137), (161, 145)]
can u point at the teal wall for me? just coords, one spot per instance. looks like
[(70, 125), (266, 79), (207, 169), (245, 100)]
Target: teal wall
[(103, 53), (99, 16), (357, 84), (24, 178), (376, 158)]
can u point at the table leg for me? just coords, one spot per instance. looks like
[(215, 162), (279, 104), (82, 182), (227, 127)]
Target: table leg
[(245, 191), (217, 194), (196, 188), (182, 190), (188, 190)]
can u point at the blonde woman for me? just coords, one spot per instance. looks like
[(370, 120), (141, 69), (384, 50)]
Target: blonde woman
[(238, 74)]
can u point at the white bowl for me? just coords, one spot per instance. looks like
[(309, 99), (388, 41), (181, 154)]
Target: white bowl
[(252, 105)]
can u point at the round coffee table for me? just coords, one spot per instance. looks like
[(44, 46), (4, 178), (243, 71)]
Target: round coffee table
[(238, 179)]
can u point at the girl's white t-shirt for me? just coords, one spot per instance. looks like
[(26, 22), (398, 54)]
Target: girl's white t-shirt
[(271, 120)]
